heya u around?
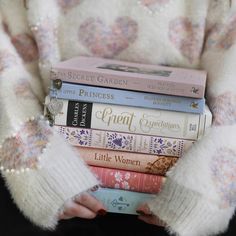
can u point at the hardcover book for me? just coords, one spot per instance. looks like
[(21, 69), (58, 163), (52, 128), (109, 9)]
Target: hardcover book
[(133, 76), (121, 201), (78, 92), (128, 180), (144, 163), (130, 119), (128, 142)]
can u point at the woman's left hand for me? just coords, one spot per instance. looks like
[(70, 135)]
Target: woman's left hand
[(147, 216)]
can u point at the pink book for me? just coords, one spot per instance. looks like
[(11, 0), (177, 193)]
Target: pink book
[(145, 163), (128, 180), (131, 76)]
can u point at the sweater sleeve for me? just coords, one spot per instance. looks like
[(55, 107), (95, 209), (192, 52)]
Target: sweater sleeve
[(40, 169), (199, 196)]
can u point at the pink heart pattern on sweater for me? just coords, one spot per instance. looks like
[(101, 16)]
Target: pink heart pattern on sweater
[(187, 37), (223, 169), (25, 46), (222, 36), (23, 150), (107, 41), (224, 109), (23, 90)]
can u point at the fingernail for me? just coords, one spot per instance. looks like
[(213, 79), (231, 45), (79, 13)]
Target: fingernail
[(140, 212), (95, 188), (102, 212)]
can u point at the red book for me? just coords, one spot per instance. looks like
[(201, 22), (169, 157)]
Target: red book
[(128, 180)]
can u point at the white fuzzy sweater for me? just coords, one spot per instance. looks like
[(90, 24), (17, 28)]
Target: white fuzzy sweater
[(42, 171)]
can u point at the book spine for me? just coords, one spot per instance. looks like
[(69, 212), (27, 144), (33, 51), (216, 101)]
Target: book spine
[(150, 164), (124, 141), (163, 86), (128, 180), (85, 93), (132, 119), (121, 201)]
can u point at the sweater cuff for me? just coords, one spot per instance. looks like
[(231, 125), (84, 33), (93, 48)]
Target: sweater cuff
[(41, 193), (188, 213)]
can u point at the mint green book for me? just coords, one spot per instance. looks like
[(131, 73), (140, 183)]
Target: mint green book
[(121, 201)]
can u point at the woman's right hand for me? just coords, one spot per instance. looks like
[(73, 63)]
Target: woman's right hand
[(84, 206)]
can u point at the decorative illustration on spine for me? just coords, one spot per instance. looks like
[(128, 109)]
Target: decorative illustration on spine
[(145, 163), (77, 92), (132, 119), (121, 201), (124, 141), (131, 76), (128, 180)]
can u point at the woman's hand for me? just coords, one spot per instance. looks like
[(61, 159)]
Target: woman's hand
[(84, 206), (147, 216)]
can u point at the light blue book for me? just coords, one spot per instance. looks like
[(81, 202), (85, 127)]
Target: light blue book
[(78, 92), (121, 201)]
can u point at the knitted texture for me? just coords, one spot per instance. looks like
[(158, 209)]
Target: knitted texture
[(191, 34)]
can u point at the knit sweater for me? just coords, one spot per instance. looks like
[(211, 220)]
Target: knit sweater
[(42, 171)]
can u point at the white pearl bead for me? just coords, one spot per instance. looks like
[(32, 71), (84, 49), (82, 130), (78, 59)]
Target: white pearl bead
[(34, 28)]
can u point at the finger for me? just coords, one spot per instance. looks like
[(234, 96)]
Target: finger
[(143, 209), (64, 217), (151, 219), (77, 210), (90, 202)]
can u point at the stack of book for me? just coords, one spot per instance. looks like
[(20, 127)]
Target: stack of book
[(130, 122)]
